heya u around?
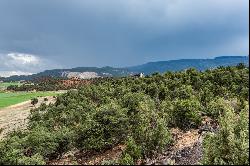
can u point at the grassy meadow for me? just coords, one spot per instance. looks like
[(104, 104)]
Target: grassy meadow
[(11, 98)]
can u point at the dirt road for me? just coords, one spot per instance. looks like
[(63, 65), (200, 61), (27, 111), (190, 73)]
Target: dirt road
[(15, 116)]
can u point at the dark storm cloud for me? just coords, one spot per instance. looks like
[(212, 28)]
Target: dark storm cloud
[(123, 32)]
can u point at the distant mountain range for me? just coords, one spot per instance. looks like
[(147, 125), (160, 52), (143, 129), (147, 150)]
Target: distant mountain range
[(199, 64), (148, 68)]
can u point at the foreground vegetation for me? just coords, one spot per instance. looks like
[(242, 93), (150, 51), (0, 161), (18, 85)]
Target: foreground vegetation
[(11, 98), (138, 113)]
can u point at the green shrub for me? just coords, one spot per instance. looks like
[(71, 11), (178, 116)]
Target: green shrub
[(150, 132), (126, 160), (34, 101), (33, 160), (47, 143), (104, 129), (160, 137), (219, 105), (186, 113), (167, 112), (183, 92), (131, 102), (230, 146), (12, 152), (133, 149), (35, 146)]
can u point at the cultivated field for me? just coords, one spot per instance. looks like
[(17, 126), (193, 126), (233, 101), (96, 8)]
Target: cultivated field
[(11, 98)]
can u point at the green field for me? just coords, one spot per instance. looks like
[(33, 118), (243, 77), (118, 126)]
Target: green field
[(11, 98)]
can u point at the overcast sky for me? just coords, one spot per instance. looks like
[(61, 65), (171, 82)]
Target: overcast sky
[(42, 34)]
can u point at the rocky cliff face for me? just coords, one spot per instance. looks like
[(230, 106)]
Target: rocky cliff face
[(81, 75)]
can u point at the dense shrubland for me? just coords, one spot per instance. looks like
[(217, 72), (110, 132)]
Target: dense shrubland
[(138, 113)]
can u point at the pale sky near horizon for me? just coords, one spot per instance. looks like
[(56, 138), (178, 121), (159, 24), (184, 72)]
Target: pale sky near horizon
[(46, 34)]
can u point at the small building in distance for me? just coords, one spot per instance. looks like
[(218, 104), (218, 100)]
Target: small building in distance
[(140, 75)]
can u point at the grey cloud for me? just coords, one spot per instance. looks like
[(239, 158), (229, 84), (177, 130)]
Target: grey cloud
[(123, 33), (20, 63)]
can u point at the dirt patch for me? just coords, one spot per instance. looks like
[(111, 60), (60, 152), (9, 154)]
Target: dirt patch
[(187, 148), (15, 116), (88, 158), (184, 139), (97, 159)]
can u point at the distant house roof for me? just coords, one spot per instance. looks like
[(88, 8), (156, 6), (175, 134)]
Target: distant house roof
[(139, 75)]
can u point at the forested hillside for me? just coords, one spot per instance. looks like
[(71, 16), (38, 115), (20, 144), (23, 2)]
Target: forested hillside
[(139, 114)]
